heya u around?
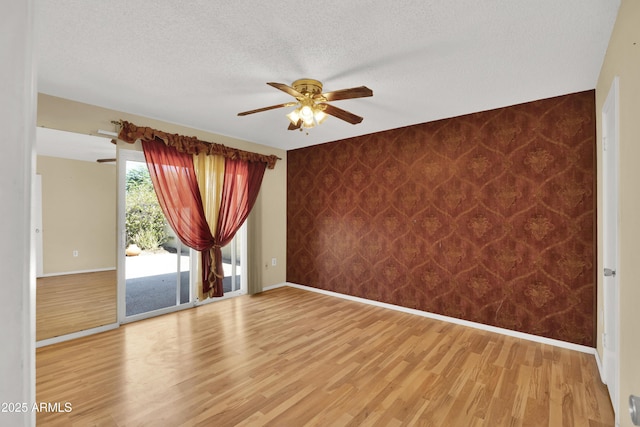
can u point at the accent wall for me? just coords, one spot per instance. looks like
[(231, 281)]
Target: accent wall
[(487, 217)]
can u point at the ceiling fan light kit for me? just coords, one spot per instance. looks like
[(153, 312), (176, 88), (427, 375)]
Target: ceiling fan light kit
[(308, 114), (311, 106)]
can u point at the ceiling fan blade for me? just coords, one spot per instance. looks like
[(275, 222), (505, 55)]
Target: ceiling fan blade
[(296, 126), (341, 114), (259, 110), (105, 160), (354, 92), (288, 89)]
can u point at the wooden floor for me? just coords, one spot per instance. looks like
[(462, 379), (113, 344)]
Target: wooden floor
[(289, 357), (75, 302)]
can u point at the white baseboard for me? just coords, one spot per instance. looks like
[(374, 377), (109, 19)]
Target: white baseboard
[(74, 335), (66, 273), (508, 332)]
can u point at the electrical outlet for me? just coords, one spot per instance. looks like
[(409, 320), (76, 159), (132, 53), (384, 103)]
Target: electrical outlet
[(75, 253), (274, 262)]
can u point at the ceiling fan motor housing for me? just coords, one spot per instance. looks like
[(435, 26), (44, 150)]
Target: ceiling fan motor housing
[(307, 86)]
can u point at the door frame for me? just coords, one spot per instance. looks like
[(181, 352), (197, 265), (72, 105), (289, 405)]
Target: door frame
[(37, 218), (610, 245)]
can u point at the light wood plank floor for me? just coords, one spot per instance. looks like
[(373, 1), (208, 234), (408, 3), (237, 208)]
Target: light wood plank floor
[(75, 302), (289, 357)]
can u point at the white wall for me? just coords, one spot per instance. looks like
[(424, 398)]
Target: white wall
[(17, 275), (623, 60)]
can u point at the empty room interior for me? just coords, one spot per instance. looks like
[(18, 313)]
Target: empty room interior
[(336, 214)]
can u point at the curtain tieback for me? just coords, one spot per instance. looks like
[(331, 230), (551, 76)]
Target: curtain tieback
[(214, 265)]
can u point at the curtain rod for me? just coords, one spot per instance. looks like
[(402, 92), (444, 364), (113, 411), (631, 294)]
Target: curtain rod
[(119, 123), (130, 132)]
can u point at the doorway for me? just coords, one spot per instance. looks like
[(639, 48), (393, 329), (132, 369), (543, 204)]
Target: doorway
[(611, 304)]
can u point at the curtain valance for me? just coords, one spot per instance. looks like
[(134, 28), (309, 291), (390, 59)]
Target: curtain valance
[(191, 145)]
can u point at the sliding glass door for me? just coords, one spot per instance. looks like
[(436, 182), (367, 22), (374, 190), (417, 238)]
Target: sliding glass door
[(154, 267), (156, 272)]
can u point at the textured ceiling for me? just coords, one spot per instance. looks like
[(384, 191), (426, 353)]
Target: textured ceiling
[(199, 63)]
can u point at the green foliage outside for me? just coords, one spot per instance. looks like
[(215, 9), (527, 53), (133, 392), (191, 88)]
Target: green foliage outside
[(144, 218)]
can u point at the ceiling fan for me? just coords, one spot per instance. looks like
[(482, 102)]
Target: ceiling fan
[(312, 108)]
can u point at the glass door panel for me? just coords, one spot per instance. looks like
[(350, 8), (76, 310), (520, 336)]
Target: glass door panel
[(232, 263), (157, 266)]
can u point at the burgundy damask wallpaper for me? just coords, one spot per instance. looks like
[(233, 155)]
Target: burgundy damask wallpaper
[(487, 217)]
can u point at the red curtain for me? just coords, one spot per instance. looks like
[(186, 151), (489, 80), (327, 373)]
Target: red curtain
[(176, 186), (175, 183), (241, 186), (174, 180)]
